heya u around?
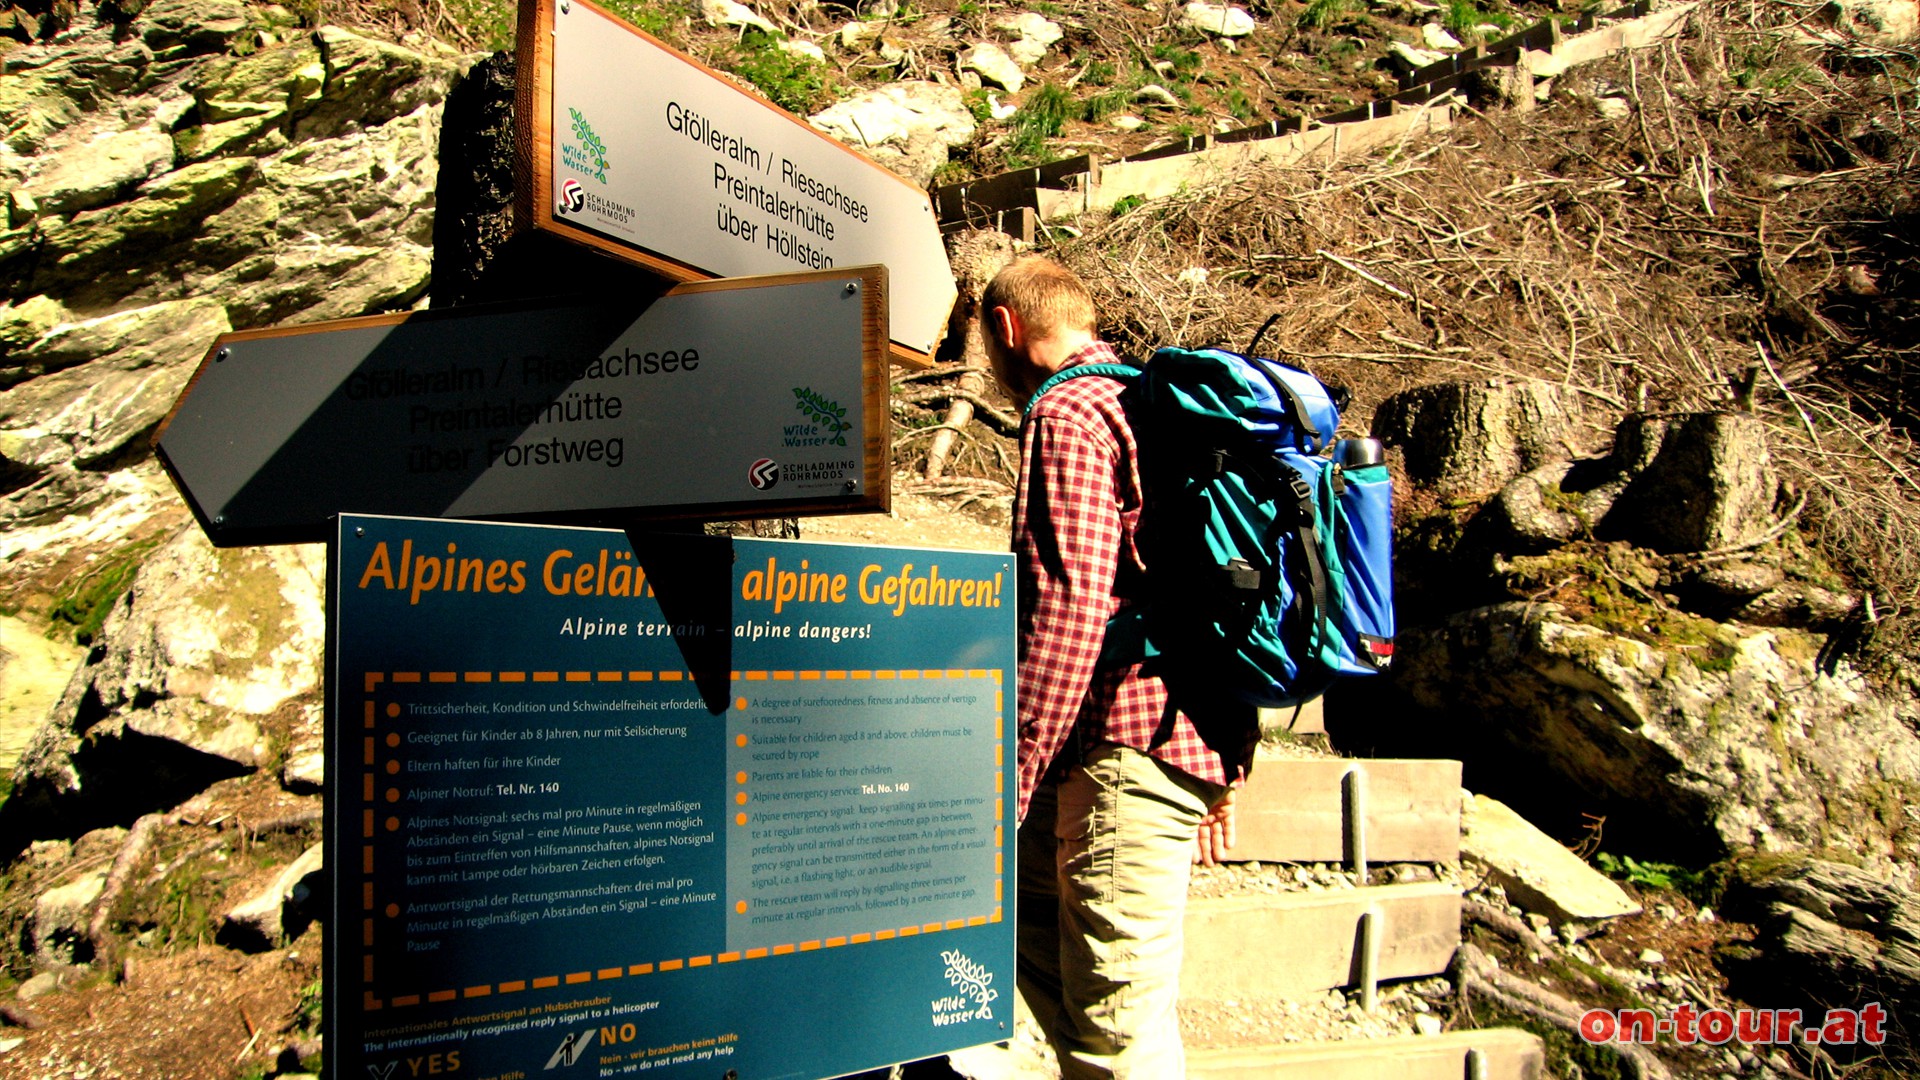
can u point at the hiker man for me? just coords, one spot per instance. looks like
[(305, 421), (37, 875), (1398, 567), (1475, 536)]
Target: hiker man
[(1118, 792)]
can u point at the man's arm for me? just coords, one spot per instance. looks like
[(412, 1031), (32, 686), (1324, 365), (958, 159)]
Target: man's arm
[(1069, 548)]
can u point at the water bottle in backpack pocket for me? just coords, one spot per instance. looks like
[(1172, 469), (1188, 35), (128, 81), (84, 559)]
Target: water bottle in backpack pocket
[(1357, 506)]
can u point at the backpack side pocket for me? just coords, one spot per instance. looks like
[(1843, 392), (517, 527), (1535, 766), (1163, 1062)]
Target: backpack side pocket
[(1363, 537)]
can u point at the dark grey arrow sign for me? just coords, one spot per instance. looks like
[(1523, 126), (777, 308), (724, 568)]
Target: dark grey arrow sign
[(743, 397)]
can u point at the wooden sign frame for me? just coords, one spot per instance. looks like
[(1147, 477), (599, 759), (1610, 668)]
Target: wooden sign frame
[(534, 193), (875, 486)]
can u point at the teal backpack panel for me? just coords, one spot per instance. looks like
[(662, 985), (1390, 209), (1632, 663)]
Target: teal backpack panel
[(1269, 561)]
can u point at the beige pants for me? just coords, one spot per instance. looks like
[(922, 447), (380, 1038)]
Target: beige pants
[(1102, 891)]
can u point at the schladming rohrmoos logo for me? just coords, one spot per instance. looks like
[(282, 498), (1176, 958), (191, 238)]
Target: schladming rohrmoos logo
[(763, 474), (976, 997), (587, 153), (573, 196)]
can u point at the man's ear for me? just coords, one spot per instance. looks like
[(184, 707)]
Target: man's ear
[(1005, 326)]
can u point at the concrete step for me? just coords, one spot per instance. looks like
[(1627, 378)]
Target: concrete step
[(1306, 718), (1295, 944), (1504, 1054), (1296, 810)]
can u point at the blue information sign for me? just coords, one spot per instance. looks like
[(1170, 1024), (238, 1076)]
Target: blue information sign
[(682, 806)]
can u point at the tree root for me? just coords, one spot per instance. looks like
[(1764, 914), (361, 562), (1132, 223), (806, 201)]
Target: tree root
[(290, 823), (139, 839), (1504, 924), (1000, 421), (1476, 973)]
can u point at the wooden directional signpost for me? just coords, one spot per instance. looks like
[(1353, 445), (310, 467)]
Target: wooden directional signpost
[(748, 397), (602, 803), (641, 152)]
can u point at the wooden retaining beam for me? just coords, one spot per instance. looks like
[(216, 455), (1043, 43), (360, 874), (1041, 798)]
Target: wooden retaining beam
[(976, 203), (1306, 718), (1550, 47), (1295, 810), (1503, 1053), (1161, 177), (1297, 944), (1607, 41)]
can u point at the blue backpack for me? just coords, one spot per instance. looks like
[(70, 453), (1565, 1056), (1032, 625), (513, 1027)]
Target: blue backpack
[(1268, 550)]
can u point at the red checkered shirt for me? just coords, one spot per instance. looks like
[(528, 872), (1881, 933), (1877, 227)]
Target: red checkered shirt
[(1075, 516)]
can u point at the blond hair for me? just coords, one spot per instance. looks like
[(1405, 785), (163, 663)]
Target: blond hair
[(1048, 297)]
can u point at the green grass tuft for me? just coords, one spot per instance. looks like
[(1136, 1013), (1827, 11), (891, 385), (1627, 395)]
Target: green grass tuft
[(82, 609), (1041, 117), (1324, 14), (793, 82)]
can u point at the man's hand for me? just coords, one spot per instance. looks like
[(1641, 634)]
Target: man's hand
[(1216, 832)]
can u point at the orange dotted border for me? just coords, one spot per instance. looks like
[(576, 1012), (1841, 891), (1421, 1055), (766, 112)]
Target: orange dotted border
[(542, 982)]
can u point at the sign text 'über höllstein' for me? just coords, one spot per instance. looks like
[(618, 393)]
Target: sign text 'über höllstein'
[(611, 804), (652, 151)]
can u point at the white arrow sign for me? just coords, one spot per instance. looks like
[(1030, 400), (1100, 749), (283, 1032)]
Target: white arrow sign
[(643, 152)]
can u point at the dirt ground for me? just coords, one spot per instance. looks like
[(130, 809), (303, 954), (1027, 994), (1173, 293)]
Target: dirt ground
[(919, 521), (208, 1013)]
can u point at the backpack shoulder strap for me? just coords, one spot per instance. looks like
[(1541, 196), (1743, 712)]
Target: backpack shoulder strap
[(1123, 372)]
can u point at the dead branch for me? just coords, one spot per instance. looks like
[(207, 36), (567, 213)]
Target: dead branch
[(1476, 973), (1002, 421), (132, 850)]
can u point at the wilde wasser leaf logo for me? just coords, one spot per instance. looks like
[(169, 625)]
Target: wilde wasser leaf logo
[(589, 154)]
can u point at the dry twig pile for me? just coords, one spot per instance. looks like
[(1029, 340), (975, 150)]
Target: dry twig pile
[(1745, 238)]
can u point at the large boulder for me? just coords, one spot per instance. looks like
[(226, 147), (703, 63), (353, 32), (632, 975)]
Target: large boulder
[(56, 931), (1033, 34), (1222, 20), (193, 660), (1723, 738), (102, 170), (103, 382), (1886, 23), (278, 911), (190, 26), (993, 64), (908, 127), (1538, 873), (1826, 934)]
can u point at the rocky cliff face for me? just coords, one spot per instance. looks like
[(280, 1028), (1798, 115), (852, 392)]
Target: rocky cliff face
[(201, 168)]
